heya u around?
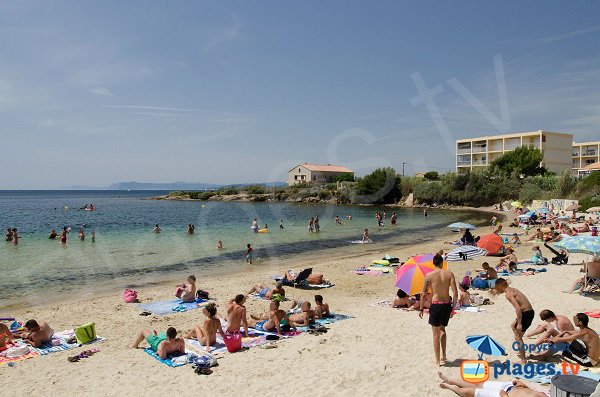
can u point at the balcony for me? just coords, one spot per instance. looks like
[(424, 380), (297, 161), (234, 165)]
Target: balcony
[(588, 153), (463, 163), (509, 147), (479, 149), (463, 151), (575, 154)]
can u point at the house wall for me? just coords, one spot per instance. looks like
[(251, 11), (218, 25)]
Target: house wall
[(299, 175)]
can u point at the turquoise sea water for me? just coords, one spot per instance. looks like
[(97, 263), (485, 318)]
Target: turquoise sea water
[(127, 252)]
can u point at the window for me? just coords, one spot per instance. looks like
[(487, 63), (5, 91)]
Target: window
[(299, 170), (296, 177)]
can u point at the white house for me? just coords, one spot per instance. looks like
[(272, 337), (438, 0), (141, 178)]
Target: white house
[(316, 173)]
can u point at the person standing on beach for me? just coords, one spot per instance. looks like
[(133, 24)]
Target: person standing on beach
[(255, 225), (523, 309), (249, 254), (441, 282)]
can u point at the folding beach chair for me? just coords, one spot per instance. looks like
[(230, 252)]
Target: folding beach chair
[(301, 278), (591, 278)]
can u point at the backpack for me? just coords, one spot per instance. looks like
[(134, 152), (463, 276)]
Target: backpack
[(479, 283), (129, 296), (200, 294)]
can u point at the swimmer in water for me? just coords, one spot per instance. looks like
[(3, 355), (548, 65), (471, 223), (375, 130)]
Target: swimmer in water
[(63, 235), (15, 237), (81, 235), (219, 245), (156, 229), (53, 235), (93, 237)]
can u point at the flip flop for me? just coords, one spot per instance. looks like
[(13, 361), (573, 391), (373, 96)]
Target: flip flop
[(145, 313), (74, 359), (203, 371)]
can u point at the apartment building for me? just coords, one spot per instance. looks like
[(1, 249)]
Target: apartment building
[(478, 153), (584, 154)]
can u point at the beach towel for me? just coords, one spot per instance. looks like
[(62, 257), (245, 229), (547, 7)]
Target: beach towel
[(368, 272), (32, 353), (260, 298), (257, 338), (169, 361), (166, 307), (595, 314)]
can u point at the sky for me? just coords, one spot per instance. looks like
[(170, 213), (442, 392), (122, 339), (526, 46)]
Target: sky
[(93, 93)]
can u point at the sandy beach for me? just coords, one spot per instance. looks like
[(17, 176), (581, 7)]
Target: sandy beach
[(380, 351)]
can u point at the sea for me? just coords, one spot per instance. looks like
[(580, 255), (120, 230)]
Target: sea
[(127, 253)]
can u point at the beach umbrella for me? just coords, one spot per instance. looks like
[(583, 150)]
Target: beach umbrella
[(462, 225), (580, 245), (516, 204), (573, 207), (410, 277), (465, 251), (484, 344), (593, 209), (490, 242)]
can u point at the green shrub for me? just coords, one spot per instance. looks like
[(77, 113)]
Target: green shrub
[(256, 189), (345, 178), (382, 186)]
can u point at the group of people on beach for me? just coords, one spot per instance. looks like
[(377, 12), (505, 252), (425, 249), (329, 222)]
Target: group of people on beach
[(236, 320)]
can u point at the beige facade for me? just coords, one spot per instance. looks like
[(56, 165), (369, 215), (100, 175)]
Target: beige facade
[(585, 153), (315, 173), (478, 153)]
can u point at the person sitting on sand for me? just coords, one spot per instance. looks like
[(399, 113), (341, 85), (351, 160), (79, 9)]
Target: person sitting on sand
[(515, 239), (594, 265), (236, 315), (39, 333), (505, 260), (538, 235), (536, 259), (401, 300), (267, 293), (467, 238), (53, 235), (365, 237), (584, 345), (417, 302), (276, 321), (207, 333), (162, 344), (187, 293), (464, 298), (6, 337), (321, 308), (524, 311), (487, 272), (553, 324), (488, 388), (304, 318), (498, 229)]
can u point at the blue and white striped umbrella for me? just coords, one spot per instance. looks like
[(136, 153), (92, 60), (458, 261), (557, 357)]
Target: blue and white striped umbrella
[(484, 344), (465, 251)]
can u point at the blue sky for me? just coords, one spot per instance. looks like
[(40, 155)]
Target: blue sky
[(93, 93)]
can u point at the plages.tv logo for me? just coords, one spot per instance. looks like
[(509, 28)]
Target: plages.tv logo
[(477, 371)]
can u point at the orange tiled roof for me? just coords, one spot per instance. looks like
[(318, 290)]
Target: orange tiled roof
[(325, 168), (594, 166)]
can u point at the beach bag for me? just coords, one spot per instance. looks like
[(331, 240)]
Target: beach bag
[(201, 294), (233, 341), (129, 296), (86, 333), (479, 283)]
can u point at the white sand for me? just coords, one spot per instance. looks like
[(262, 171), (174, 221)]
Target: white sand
[(379, 352)]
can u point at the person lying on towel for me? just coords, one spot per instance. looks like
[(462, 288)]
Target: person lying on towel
[(162, 344)]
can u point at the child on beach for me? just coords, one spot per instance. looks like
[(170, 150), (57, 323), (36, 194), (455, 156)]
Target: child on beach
[(207, 333), (365, 237), (187, 293), (524, 311), (249, 254), (464, 299)]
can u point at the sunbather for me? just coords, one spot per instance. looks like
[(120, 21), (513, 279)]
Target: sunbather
[(505, 260), (321, 308), (580, 282), (276, 321), (265, 292), (306, 317), (162, 344), (401, 300), (187, 292), (464, 299), (236, 315), (583, 345), (207, 333), (488, 388), (6, 337), (39, 333), (553, 324)]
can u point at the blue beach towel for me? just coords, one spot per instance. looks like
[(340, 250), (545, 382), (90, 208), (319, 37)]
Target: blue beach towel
[(167, 361), (165, 307)]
